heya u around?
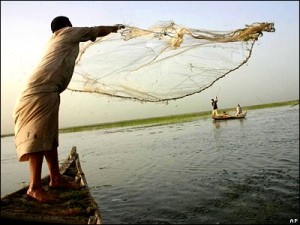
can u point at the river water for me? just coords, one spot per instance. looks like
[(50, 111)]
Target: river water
[(200, 172)]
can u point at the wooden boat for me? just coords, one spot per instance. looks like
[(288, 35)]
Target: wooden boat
[(74, 206), (230, 117)]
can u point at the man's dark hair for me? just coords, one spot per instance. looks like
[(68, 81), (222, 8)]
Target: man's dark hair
[(60, 22)]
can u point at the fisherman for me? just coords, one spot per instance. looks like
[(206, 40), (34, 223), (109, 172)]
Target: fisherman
[(36, 111), (214, 106), (239, 109)]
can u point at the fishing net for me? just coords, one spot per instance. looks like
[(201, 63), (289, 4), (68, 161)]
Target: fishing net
[(165, 62)]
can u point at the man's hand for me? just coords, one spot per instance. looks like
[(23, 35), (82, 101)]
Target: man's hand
[(120, 26)]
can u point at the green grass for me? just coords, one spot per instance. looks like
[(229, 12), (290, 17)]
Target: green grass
[(140, 122), (166, 119)]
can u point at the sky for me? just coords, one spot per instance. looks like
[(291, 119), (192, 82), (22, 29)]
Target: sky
[(271, 74)]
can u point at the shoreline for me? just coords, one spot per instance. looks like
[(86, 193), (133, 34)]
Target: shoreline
[(165, 119)]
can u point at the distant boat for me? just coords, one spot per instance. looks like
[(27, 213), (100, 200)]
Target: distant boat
[(230, 117)]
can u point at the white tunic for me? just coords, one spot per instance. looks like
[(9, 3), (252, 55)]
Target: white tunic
[(36, 111)]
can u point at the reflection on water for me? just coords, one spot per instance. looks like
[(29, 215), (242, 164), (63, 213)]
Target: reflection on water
[(205, 171)]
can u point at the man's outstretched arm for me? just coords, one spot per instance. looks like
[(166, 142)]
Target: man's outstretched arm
[(105, 30)]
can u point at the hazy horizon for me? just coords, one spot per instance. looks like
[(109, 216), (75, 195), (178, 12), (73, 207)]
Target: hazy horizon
[(232, 110)]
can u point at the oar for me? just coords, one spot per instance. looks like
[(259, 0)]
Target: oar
[(218, 91)]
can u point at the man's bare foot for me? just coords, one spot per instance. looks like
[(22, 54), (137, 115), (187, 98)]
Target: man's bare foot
[(64, 183), (41, 195)]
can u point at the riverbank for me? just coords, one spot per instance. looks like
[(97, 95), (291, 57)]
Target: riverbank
[(165, 119)]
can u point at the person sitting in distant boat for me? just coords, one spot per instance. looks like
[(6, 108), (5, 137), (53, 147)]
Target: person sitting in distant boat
[(214, 106), (239, 109)]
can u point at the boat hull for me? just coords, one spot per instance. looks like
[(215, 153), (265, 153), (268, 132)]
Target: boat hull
[(230, 117), (73, 207)]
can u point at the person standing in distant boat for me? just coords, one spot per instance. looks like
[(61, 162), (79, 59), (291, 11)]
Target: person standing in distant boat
[(239, 109), (214, 106)]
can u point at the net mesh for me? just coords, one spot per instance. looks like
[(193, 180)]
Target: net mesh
[(165, 62)]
